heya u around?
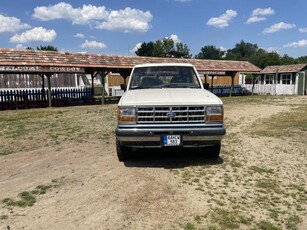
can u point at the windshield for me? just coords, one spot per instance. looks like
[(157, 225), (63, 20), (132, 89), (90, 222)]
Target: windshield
[(164, 77)]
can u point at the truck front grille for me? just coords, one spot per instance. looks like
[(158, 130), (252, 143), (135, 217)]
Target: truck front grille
[(170, 114)]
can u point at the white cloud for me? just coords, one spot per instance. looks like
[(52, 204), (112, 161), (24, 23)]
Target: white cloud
[(278, 26), (62, 10), (11, 24), (260, 14), (174, 37), (271, 49), (223, 20), (303, 30), (263, 11), (79, 35), (183, 0), (136, 47), (20, 46), (255, 19), (37, 34), (222, 48), (301, 43), (93, 45), (127, 20)]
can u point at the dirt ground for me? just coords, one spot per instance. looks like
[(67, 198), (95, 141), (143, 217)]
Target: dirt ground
[(259, 181)]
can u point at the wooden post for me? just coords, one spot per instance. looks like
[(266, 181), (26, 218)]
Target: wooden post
[(49, 89), (125, 74), (103, 75), (93, 76), (254, 80), (233, 74), (43, 95)]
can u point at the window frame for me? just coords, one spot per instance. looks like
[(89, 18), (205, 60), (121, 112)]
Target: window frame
[(286, 79), (269, 79)]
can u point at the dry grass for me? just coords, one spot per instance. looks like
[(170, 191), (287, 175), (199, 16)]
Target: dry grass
[(25, 130), (254, 189), (260, 184)]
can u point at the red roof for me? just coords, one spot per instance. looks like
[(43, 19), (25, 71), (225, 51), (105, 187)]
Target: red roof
[(16, 57), (284, 68)]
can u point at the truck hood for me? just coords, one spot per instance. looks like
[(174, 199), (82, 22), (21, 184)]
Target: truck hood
[(169, 96)]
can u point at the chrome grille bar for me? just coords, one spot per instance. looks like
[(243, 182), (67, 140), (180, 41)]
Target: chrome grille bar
[(170, 114)]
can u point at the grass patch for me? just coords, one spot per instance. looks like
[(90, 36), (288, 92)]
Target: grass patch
[(225, 219), (41, 189), (292, 222), (4, 152), (256, 169), (266, 225), (284, 124), (4, 217), (256, 99), (189, 226), (269, 185), (26, 198), (26, 130)]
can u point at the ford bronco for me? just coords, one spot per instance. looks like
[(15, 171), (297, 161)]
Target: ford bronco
[(165, 105)]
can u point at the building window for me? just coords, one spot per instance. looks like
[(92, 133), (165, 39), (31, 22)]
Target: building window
[(286, 79), (269, 79)]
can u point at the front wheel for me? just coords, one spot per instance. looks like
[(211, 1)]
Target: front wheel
[(123, 153), (213, 152)]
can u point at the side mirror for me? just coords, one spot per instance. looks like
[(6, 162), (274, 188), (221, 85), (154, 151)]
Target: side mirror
[(206, 85), (123, 87)]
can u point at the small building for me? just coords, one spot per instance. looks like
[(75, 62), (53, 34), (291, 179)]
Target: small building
[(280, 80)]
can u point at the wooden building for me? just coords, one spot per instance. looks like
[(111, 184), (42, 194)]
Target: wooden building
[(47, 65), (281, 80)]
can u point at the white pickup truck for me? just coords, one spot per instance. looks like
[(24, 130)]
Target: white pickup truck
[(165, 105)]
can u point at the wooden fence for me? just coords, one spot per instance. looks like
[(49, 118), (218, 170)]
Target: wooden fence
[(38, 98)]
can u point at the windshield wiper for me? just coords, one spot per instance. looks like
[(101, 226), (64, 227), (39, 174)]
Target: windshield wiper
[(182, 85), (145, 87)]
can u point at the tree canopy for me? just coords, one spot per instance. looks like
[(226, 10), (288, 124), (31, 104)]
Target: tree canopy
[(164, 48), (242, 51), (48, 47), (41, 47), (210, 52)]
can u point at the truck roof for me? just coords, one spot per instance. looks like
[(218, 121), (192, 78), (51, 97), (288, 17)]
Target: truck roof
[(163, 64)]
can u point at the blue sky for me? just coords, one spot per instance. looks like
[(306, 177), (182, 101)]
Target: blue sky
[(119, 26)]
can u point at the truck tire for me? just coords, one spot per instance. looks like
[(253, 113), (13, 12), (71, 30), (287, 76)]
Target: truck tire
[(213, 152), (123, 153)]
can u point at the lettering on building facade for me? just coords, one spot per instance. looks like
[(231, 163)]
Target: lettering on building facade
[(214, 73), (41, 69)]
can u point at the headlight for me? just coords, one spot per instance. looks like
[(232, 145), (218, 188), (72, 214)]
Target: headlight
[(126, 115), (214, 113)]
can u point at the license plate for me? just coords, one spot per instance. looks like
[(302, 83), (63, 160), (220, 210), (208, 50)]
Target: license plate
[(171, 140)]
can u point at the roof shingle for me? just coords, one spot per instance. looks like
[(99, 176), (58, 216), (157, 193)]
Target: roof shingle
[(13, 57), (284, 68)]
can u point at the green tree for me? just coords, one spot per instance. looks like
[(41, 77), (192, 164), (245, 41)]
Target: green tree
[(183, 50), (145, 50), (287, 60), (263, 59), (302, 60), (210, 52), (48, 47), (242, 51), (164, 48)]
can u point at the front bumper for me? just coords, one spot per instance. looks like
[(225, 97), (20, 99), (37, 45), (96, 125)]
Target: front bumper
[(151, 137)]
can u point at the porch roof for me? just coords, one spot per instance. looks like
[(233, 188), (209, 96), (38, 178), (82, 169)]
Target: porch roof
[(284, 68), (15, 57)]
